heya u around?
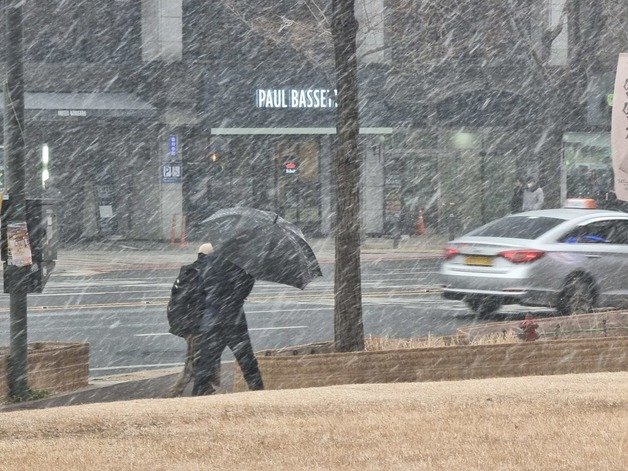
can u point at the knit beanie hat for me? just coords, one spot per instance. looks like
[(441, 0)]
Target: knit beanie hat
[(206, 249)]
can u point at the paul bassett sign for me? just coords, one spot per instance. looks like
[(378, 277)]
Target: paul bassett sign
[(295, 98)]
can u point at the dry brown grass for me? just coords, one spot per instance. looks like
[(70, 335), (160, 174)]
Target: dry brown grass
[(373, 343), (569, 422)]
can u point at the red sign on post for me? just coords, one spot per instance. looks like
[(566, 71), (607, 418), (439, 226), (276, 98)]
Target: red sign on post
[(290, 167)]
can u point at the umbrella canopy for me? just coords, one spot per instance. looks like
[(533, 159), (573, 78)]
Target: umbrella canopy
[(263, 244)]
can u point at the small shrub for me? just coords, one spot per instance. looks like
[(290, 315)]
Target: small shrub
[(496, 338), (32, 395)]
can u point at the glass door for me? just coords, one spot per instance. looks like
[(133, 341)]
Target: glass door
[(298, 185)]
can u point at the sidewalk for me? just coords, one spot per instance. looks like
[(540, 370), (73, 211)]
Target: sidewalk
[(150, 384), (428, 245)]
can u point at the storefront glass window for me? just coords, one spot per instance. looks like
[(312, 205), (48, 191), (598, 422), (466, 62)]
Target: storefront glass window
[(588, 165), (298, 185)]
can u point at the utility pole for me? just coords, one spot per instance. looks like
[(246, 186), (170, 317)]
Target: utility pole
[(16, 276)]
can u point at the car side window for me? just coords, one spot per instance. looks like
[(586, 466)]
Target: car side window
[(594, 233), (619, 232)]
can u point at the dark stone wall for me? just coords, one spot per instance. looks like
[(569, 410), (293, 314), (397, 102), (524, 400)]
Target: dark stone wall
[(106, 31)]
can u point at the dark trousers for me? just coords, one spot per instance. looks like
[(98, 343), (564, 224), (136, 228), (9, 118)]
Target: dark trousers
[(222, 333)]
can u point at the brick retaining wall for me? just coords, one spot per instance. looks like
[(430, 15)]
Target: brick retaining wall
[(443, 363), (54, 367)]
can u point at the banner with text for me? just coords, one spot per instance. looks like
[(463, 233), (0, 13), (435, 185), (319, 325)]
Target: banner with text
[(619, 132)]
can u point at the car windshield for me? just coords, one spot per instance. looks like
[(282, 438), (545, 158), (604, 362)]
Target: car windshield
[(517, 227)]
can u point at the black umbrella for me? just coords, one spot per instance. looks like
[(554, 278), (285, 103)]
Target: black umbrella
[(263, 244)]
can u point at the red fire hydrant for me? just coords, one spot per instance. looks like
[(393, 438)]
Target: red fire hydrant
[(529, 326)]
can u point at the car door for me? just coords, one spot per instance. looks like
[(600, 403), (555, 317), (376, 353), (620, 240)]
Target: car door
[(619, 238), (603, 246)]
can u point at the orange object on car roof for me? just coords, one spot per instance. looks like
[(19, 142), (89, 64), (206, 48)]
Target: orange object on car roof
[(580, 203)]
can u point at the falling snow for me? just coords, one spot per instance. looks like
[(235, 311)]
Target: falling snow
[(145, 118)]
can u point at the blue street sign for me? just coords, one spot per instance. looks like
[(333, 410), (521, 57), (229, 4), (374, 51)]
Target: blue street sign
[(172, 145)]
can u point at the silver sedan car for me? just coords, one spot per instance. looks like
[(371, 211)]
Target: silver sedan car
[(569, 259)]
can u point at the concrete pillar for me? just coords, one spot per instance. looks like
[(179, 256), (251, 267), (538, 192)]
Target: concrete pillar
[(372, 187), (559, 49), (162, 28), (327, 190), (371, 37)]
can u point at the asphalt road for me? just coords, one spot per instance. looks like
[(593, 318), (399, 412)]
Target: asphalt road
[(121, 313)]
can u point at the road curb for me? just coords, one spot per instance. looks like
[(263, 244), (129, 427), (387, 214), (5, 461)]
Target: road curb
[(152, 384), (150, 388)]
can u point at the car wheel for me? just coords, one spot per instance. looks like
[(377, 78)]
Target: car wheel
[(483, 306), (577, 296)]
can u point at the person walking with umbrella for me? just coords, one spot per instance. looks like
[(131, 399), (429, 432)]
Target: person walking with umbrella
[(249, 245), (224, 325)]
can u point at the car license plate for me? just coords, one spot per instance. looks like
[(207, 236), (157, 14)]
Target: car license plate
[(479, 260)]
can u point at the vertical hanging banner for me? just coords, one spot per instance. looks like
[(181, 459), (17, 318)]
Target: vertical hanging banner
[(619, 130), (19, 246)]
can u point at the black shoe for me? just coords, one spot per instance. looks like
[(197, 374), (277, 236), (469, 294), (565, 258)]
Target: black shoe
[(203, 391)]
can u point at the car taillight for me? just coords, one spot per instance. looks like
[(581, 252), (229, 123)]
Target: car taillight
[(450, 252), (521, 256)]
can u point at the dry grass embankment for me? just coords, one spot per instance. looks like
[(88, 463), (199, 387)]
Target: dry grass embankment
[(555, 422), (376, 343)]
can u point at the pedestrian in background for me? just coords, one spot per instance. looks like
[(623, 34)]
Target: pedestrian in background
[(224, 325), (396, 229), (516, 202), (533, 196)]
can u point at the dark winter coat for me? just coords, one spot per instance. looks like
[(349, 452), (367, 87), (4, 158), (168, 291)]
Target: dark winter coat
[(224, 325), (516, 202), (226, 288)]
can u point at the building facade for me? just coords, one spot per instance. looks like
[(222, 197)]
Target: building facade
[(156, 113), (84, 104)]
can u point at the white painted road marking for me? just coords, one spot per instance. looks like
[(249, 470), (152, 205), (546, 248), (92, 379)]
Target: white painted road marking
[(287, 327), (132, 367), (281, 328), (143, 313), (153, 335)]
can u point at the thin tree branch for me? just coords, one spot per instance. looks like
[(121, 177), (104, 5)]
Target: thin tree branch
[(267, 33), (530, 49)]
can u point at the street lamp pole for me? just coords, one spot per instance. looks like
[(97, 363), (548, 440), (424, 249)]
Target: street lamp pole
[(16, 276)]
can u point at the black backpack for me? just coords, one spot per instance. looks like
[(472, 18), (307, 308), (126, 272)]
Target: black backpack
[(187, 301)]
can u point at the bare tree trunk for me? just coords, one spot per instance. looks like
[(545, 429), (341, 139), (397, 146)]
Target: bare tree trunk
[(348, 326)]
